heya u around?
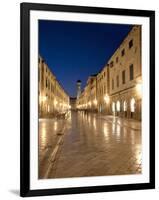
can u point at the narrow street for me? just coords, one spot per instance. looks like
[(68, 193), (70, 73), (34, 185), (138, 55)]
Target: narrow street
[(89, 144)]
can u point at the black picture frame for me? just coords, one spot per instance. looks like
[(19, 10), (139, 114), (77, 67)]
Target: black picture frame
[(25, 9)]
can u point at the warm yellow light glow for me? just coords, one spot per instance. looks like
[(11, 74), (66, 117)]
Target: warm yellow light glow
[(48, 109), (139, 88), (89, 103), (42, 98), (118, 131), (105, 130), (55, 126), (132, 105), (95, 102), (118, 106), (125, 106), (55, 102), (106, 98), (94, 123), (113, 107)]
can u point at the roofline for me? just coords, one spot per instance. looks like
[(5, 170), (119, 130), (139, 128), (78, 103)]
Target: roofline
[(55, 76)]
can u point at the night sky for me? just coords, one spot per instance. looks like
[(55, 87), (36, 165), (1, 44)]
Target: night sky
[(75, 50)]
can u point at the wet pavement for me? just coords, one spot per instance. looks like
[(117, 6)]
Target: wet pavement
[(93, 145), (50, 130)]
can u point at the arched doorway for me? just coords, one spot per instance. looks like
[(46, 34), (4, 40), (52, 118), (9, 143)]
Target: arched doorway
[(118, 107), (132, 107), (125, 108)]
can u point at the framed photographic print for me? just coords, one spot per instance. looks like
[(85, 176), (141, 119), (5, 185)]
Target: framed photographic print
[(87, 99)]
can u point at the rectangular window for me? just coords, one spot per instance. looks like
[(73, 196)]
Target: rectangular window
[(131, 68), (117, 81), (123, 77), (112, 84), (117, 59), (123, 52), (130, 44), (111, 64)]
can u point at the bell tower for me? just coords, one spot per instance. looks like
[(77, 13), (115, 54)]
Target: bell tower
[(78, 88)]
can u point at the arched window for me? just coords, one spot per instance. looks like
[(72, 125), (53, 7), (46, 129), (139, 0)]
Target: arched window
[(125, 106), (113, 107), (132, 105), (118, 106)]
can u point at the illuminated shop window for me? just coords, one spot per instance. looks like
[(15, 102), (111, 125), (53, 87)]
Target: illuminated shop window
[(132, 105), (118, 106), (113, 107), (125, 106)]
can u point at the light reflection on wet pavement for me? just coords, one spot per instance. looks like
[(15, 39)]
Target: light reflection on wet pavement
[(48, 137), (95, 145)]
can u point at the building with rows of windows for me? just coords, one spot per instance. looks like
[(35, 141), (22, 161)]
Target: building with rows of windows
[(52, 97), (116, 89)]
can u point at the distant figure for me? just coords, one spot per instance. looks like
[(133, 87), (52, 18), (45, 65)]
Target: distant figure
[(78, 88)]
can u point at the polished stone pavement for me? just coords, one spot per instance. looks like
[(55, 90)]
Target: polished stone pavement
[(93, 145)]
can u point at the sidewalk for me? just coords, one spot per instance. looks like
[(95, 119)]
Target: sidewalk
[(128, 123)]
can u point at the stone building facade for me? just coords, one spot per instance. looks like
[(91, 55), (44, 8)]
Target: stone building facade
[(118, 84), (52, 97), (88, 98), (126, 77), (103, 90)]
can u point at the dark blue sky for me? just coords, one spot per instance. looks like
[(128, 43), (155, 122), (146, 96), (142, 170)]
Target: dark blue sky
[(75, 50)]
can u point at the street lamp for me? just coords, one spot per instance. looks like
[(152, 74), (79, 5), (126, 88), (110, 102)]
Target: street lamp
[(89, 103), (95, 102), (55, 102), (139, 88), (42, 99)]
